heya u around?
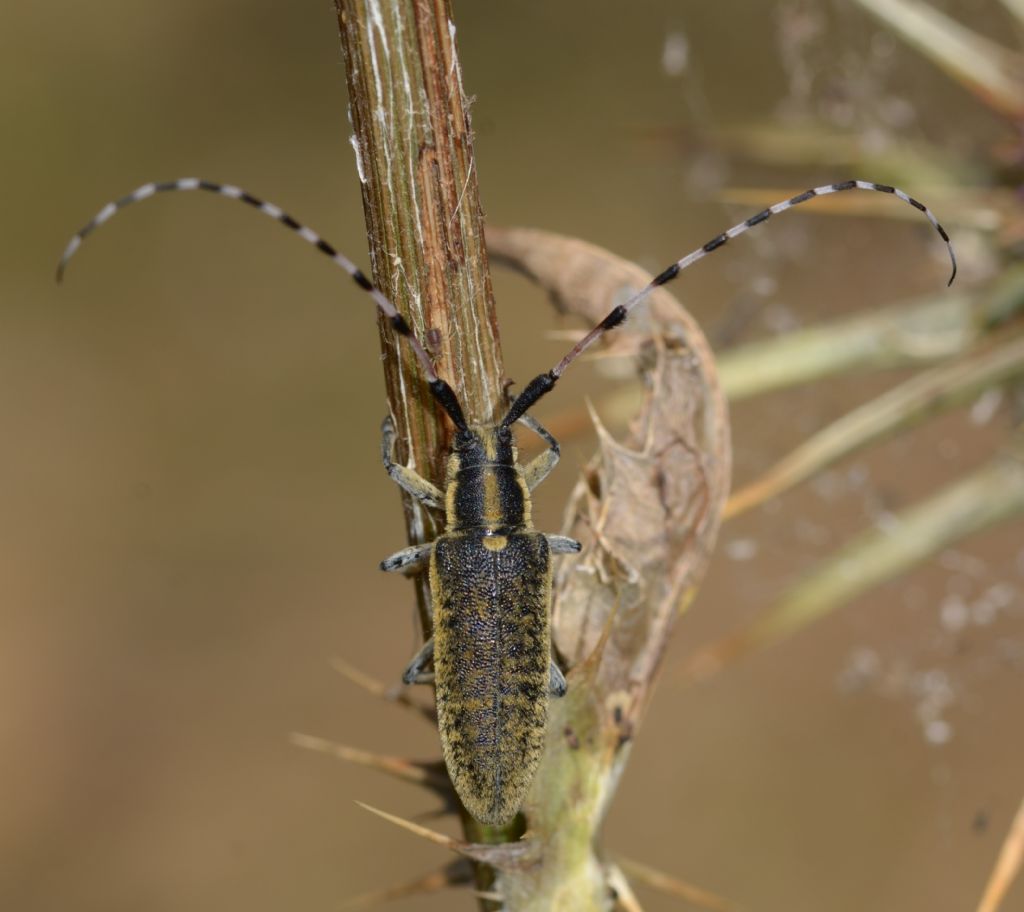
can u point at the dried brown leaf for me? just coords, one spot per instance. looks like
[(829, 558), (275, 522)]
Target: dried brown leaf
[(647, 510)]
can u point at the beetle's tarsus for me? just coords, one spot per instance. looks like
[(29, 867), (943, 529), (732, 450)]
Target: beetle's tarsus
[(414, 672), (557, 685), (562, 544)]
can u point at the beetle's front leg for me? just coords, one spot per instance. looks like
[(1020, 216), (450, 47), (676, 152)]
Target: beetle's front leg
[(408, 480), (414, 673), (538, 468)]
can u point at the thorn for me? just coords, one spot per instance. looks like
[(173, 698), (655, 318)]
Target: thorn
[(1008, 865), (504, 856), (625, 898), (440, 839), (376, 688), (672, 886), (429, 773), (456, 874)]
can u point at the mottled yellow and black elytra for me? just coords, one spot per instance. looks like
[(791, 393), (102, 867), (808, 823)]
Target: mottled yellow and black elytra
[(490, 570), (490, 585)]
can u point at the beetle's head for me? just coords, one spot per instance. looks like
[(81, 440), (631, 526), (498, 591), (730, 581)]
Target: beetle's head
[(491, 444)]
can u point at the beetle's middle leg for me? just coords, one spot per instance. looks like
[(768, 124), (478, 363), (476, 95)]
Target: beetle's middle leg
[(408, 480), (414, 673), (408, 560), (562, 544)]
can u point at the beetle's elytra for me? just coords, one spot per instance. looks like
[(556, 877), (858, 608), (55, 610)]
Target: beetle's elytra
[(490, 570), (490, 585), (490, 582)]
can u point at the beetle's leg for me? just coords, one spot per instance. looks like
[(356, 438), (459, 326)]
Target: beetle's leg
[(408, 560), (408, 480), (561, 544), (538, 468), (557, 685), (414, 673)]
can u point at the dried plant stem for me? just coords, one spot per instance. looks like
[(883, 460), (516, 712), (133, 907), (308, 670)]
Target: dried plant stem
[(414, 153)]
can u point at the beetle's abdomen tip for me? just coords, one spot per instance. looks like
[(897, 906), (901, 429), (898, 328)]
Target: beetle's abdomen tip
[(497, 813)]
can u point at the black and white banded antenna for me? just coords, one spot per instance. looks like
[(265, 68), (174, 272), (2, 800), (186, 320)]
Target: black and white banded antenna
[(542, 383), (444, 394)]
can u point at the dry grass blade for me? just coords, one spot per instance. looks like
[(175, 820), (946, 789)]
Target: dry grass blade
[(430, 773), (990, 71), (673, 886), (504, 856), (919, 398), (1008, 865), (821, 145), (1016, 7), (371, 685), (921, 331), (457, 874), (990, 495)]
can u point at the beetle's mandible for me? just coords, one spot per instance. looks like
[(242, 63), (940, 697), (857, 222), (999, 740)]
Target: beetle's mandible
[(490, 570)]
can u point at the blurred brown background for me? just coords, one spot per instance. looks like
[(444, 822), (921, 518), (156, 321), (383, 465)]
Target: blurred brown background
[(193, 505)]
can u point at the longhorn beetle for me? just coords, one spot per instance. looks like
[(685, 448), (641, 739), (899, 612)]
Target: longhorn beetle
[(490, 570)]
